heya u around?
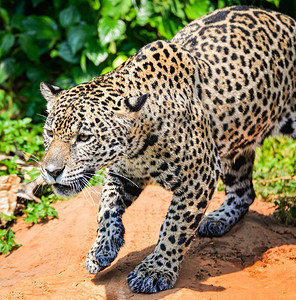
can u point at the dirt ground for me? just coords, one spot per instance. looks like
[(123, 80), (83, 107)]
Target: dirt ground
[(255, 260)]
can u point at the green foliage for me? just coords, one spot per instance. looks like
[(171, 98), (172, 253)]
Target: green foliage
[(7, 217), (9, 166), (19, 137), (16, 135), (275, 169), (285, 210), (7, 242), (37, 212)]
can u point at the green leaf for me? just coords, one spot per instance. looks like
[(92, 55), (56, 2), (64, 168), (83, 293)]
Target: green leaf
[(83, 61), (119, 60), (275, 2), (197, 9), (97, 57), (69, 16), (76, 37), (39, 211), (17, 21), (6, 68), (177, 9), (95, 52), (66, 53), (29, 46), (34, 73), (7, 217), (4, 16), (2, 100), (144, 12), (58, 3), (95, 4), (106, 70), (7, 242), (110, 30), (42, 26), (221, 3), (6, 43), (166, 25), (64, 81), (80, 76), (115, 8)]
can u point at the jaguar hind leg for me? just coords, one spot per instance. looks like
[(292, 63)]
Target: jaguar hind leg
[(240, 194), (288, 125)]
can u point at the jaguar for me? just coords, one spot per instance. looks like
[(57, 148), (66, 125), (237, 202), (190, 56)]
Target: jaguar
[(182, 113)]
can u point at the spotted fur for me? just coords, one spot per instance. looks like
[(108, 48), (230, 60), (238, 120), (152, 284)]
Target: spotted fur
[(181, 112)]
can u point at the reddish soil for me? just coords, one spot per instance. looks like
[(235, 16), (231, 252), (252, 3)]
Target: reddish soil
[(255, 260)]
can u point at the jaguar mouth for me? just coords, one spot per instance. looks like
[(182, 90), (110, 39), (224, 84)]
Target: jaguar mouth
[(73, 188), (65, 191)]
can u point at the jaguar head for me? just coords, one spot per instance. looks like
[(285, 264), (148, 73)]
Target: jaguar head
[(86, 130)]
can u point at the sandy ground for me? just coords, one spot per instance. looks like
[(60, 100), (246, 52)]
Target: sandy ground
[(255, 260)]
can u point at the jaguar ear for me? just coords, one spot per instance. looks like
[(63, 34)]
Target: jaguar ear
[(134, 104), (49, 92)]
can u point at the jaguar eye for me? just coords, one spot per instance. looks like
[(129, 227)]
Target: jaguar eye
[(49, 132), (83, 138)]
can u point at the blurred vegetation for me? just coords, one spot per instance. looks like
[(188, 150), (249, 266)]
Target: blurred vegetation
[(275, 168), (275, 176), (70, 42)]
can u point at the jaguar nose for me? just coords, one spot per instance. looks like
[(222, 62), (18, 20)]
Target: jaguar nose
[(53, 171)]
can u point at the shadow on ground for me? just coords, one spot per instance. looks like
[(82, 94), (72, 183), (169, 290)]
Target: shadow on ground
[(244, 246)]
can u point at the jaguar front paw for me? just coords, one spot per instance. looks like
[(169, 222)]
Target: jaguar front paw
[(146, 278), (102, 255)]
